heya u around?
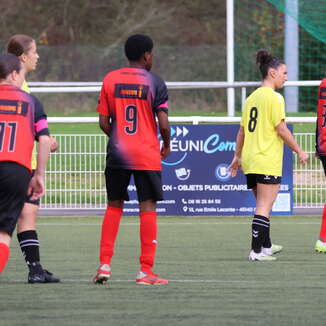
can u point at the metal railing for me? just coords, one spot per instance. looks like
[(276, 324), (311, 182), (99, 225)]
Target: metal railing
[(75, 176), (81, 87)]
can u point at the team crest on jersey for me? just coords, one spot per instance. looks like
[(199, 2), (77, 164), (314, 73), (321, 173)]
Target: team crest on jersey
[(13, 107), (131, 91)]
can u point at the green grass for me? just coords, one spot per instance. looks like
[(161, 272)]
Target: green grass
[(93, 128), (212, 283)]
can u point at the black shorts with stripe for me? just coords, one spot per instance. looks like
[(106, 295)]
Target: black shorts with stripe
[(148, 184), (253, 179), (14, 181)]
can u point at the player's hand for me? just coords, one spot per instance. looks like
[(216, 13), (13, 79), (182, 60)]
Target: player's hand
[(165, 152), (234, 166), (36, 187), (303, 157), (53, 144)]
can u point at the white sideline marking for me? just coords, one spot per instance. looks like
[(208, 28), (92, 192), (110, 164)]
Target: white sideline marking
[(66, 281), (172, 223)]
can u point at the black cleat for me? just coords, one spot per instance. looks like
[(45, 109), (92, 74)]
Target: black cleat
[(43, 277)]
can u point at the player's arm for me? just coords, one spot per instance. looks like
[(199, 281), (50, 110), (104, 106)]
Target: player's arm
[(160, 106), (105, 125), (284, 132), (54, 144), (235, 164), (164, 126), (43, 155), (36, 186), (103, 111)]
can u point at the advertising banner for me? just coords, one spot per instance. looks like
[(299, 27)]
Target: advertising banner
[(196, 180)]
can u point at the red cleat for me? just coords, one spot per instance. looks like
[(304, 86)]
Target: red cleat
[(150, 279), (103, 274)]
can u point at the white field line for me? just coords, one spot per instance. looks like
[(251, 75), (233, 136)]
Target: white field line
[(171, 223), (67, 281), (194, 281)]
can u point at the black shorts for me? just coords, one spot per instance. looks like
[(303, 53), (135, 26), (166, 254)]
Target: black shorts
[(14, 180), (253, 179), (28, 197), (323, 161), (148, 184)]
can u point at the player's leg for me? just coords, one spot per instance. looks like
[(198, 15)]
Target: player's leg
[(117, 181), (149, 191), (29, 244), (14, 180), (266, 194), (4, 249), (321, 242), (269, 248)]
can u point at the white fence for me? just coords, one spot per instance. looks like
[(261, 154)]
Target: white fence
[(82, 87), (75, 176)]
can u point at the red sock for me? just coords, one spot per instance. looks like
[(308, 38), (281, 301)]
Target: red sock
[(110, 227), (322, 234), (148, 239), (4, 255)]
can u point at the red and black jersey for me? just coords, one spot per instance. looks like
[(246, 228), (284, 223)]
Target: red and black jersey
[(22, 121), (321, 120), (130, 97)]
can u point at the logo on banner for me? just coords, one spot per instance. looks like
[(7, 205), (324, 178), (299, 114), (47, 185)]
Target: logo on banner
[(222, 172), (182, 173), (179, 131)]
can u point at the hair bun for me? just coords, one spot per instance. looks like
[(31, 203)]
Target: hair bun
[(263, 57)]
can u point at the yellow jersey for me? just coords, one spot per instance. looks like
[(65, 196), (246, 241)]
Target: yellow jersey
[(34, 160), (25, 87), (262, 151)]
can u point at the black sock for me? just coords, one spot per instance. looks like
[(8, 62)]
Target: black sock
[(29, 246), (260, 227), (267, 243)]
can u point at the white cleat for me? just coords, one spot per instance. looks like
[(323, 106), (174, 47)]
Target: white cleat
[(274, 249), (320, 246), (253, 256)]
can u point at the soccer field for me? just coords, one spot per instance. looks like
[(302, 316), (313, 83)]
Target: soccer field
[(205, 259)]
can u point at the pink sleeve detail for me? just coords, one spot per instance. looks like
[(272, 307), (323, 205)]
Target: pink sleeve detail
[(40, 125), (163, 105)]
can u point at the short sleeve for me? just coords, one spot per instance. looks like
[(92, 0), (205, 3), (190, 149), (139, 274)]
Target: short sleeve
[(103, 102), (277, 109), (40, 119), (161, 95)]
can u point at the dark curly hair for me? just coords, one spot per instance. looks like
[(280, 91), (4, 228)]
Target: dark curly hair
[(265, 61), (136, 45)]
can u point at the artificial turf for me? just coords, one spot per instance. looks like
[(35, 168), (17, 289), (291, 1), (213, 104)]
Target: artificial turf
[(205, 259)]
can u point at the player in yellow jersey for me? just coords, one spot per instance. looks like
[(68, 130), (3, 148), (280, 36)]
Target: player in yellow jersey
[(24, 47), (259, 150)]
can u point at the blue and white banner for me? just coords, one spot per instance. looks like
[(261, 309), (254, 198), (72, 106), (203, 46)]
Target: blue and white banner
[(197, 181)]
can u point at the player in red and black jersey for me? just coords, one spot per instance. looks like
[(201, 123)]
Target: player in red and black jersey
[(25, 48), (321, 154), (130, 101), (22, 121)]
